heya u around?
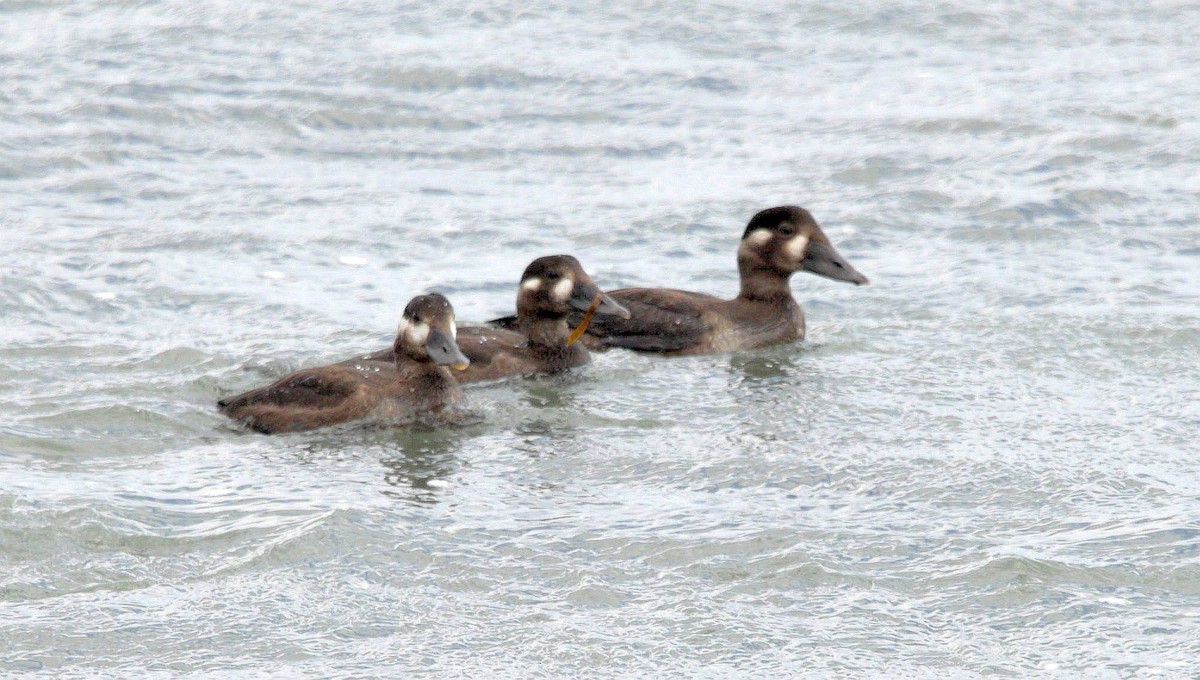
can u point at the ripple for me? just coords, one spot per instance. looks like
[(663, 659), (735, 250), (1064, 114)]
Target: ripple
[(440, 78), (980, 465)]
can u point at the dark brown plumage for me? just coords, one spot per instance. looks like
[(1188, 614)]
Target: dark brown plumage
[(777, 243), (415, 381), (551, 288)]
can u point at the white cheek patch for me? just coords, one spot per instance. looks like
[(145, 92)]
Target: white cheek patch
[(796, 246), (562, 289), (759, 237), (531, 284), (416, 333)]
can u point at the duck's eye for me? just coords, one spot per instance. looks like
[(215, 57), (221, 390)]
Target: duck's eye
[(553, 276), (787, 229)]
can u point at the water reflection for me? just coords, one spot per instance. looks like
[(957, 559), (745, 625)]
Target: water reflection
[(771, 365), (555, 391), (420, 462)]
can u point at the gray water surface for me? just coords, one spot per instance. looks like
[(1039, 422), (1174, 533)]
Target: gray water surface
[(982, 465)]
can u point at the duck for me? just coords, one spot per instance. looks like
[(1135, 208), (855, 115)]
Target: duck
[(415, 382), (776, 243), (539, 341)]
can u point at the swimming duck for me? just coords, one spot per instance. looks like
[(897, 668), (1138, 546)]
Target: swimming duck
[(414, 382), (539, 341), (777, 243)]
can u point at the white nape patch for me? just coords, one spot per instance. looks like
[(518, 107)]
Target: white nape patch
[(453, 329), (531, 284), (413, 332), (759, 237), (562, 289), (796, 246)]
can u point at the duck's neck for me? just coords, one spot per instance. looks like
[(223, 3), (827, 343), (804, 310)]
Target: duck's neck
[(547, 331), (547, 334), (762, 283), (424, 371)]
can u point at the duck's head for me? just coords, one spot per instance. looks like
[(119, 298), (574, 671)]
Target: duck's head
[(427, 332), (787, 239), (555, 285)]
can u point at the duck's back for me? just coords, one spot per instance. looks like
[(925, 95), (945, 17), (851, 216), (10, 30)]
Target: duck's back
[(660, 320), (494, 353), (497, 353), (351, 390), (683, 322), (305, 400)]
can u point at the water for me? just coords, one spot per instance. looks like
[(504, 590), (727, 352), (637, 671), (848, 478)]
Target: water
[(982, 465)]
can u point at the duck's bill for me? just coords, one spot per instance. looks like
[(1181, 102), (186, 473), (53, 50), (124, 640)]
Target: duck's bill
[(583, 298), (444, 352), (824, 261)]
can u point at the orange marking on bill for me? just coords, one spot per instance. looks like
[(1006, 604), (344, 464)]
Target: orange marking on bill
[(587, 318)]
